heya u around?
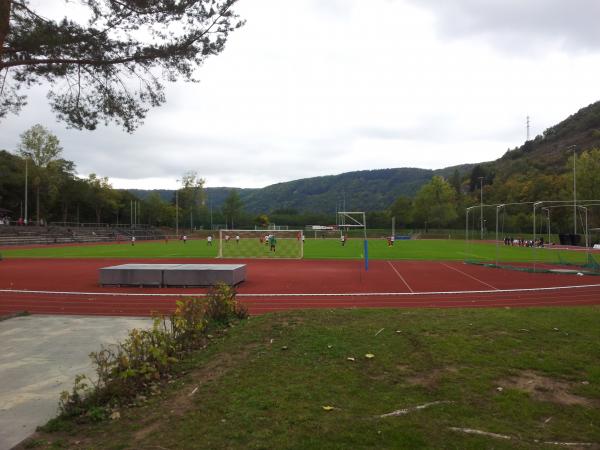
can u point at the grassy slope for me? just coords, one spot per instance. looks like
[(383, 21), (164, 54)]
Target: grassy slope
[(253, 394), (319, 248)]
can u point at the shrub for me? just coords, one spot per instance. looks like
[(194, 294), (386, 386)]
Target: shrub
[(221, 305), (147, 356)]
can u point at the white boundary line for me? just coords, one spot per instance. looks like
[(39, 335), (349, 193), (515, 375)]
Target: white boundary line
[(470, 276), (326, 294), (400, 276)]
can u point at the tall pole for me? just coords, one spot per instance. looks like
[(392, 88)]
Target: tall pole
[(366, 243), (497, 236), (574, 193), (177, 213), (481, 207), (26, 190)]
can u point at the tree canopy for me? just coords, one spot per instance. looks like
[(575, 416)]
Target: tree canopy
[(112, 66), (435, 203), (232, 207)]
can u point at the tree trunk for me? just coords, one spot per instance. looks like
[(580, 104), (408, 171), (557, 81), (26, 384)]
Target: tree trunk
[(4, 22)]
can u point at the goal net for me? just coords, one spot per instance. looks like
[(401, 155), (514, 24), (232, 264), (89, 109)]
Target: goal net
[(274, 244)]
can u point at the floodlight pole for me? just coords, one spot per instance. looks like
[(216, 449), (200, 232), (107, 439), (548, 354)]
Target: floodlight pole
[(177, 213), (534, 233), (481, 207), (26, 158), (548, 211), (365, 236), (498, 207), (574, 189)]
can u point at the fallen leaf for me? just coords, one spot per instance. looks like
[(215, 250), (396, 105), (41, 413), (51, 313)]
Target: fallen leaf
[(328, 408)]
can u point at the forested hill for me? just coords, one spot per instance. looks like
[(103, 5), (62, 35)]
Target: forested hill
[(549, 152), (372, 190), (368, 190)]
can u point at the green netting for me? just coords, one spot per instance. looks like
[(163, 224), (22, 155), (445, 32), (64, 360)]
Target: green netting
[(588, 263), (271, 244), (592, 268)]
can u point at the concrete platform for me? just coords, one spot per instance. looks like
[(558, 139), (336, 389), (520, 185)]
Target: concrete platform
[(134, 274), (160, 275), (40, 357), (204, 274)]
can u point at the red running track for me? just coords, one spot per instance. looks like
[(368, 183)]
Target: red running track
[(70, 286)]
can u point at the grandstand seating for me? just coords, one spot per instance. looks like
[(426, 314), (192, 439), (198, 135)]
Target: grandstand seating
[(35, 235)]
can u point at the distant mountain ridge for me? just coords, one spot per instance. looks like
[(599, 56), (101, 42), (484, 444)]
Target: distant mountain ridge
[(364, 190), (372, 190)]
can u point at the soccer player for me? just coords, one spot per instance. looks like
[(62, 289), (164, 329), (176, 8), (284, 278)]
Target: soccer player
[(272, 242), (184, 238), (132, 240), (303, 239), (209, 240), (343, 239), (392, 239), (226, 238), (237, 238)]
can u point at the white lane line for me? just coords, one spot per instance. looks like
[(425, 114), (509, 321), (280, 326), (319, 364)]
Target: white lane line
[(401, 277), (323, 294), (470, 276)]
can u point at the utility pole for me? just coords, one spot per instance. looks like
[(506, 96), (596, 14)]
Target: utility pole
[(481, 207), (177, 212), (574, 189), (26, 190)]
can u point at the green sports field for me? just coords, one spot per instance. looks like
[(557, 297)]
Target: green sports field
[(446, 250)]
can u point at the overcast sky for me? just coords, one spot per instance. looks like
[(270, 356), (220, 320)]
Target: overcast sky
[(316, 87)]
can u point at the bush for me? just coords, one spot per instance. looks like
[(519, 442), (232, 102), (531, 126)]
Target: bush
[(221, 305), (145, 357)]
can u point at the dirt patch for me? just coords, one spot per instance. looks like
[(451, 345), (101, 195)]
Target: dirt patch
[(546, 389), (430, 379)]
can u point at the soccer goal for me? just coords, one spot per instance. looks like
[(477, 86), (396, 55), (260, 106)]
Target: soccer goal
[(269, 244), (356, 219)]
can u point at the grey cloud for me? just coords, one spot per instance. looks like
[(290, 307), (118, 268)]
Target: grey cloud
[(521, 25), (438, 129)]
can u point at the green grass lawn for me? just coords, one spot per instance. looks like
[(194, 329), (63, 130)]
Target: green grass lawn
[(532, 375), (313, 249)]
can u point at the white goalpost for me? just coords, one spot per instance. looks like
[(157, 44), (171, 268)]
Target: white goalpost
[(356, 219), (267, 244)]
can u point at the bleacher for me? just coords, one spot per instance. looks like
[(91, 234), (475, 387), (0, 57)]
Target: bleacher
[(37, 235)]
